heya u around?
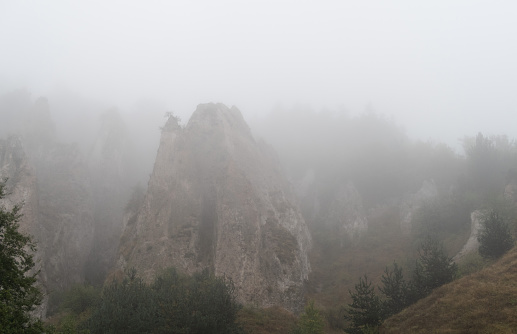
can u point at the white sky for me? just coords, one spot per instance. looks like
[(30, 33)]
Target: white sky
[(443, 69)]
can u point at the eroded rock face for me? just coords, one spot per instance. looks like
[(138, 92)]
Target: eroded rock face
[(56, 208), (217, 199), (472, 244)]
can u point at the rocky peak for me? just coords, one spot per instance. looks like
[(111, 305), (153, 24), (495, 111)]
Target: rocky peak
[(217, 199)]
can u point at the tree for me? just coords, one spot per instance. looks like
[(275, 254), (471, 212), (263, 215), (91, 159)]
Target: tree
[(494, 238), (433, 269), (395, 288), (18, 292), (365, 311), (173, 303), (311, 321)]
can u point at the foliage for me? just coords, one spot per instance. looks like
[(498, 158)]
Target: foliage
[(18, 292), (489, 161), (310, 321), (395, 290), (365, 311), (433, 269), (494, 238), (173, 303), (81, 297)]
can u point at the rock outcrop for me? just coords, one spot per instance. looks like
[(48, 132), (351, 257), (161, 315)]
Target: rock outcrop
[(72, 209), (472, 243), (217, 199)]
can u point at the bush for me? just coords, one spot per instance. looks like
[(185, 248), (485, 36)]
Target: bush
[(310, 321), (173, 303), (494, 238), (80, 298)]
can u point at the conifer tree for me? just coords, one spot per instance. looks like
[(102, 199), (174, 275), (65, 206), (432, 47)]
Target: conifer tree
[(494, 238), (18, 292), (395, 289), (433, 269), (365, 311)]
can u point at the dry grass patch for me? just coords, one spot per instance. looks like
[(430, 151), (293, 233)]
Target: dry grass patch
[(270, 320), (484, 302)]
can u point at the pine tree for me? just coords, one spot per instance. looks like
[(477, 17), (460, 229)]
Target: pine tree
[(365, 311), (433, 269), (395, 288)]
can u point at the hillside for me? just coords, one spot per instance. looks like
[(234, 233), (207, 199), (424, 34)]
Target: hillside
[(484, 302)]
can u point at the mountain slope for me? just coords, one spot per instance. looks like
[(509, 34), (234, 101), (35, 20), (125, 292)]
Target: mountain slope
[(484, 302)]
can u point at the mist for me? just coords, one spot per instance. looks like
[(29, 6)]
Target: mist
[(441, 70), (291, 146)]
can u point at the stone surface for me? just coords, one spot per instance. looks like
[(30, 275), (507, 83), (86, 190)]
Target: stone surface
[(217, 199), (472, 243)]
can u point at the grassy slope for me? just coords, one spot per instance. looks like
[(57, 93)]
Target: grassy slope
[(484, 302), (262, 321)]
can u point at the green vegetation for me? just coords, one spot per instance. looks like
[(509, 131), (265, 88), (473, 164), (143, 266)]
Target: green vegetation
[(483, 302), (367, 310), (172, 303), (433, 269), (494, 238), (395, 289), (19, 294), (310, 321)]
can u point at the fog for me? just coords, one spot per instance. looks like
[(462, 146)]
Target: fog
[(440, 69)]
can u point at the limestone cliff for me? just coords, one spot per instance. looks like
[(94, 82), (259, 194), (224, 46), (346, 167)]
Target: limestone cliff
[(217, 199), (56, 210)]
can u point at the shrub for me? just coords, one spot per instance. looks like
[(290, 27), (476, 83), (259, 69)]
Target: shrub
[(173, 303), (494, 238)]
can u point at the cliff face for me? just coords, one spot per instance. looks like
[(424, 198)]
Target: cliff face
[(72, 208), (56, 208), (217, 199)]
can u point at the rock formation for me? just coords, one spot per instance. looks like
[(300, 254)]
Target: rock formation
[(217, 199), (472, 243), (68, 206), (56, 208)]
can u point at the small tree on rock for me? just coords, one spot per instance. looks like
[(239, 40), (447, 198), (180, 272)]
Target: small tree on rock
[(494, 238)]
